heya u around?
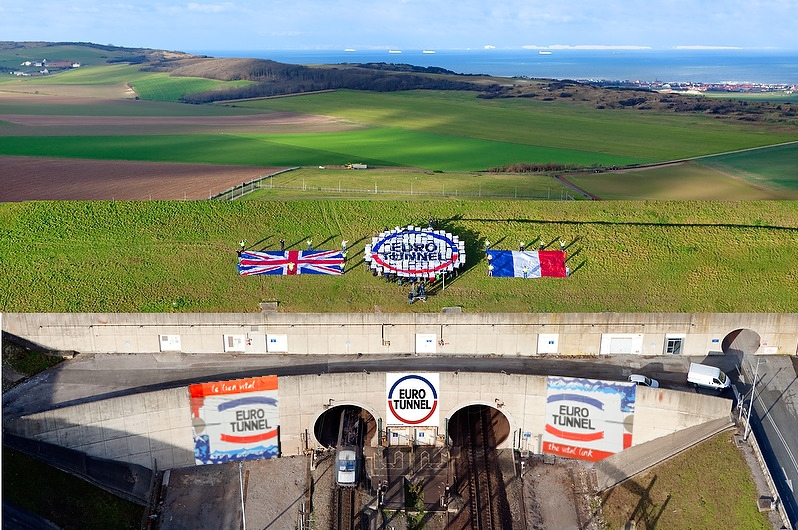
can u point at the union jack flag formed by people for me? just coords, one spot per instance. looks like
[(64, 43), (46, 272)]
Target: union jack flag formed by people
[(291, 262)]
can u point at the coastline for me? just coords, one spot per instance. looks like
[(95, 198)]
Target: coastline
[(770, 67)]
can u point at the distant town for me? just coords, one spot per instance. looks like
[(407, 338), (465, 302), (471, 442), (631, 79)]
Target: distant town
[(695, 87), (44, 67)]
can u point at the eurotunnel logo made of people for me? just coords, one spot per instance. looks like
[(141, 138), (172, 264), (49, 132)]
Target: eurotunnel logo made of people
[(412, 399), (415, 252)]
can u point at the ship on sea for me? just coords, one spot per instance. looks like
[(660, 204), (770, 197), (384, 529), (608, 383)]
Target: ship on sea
[(349, 50), (428, 51), (394, 51), (544, 52)]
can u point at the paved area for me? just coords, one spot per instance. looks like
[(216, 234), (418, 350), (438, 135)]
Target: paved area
[(210, 496)]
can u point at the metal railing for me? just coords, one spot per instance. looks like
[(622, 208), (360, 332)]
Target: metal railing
[(267, 182)]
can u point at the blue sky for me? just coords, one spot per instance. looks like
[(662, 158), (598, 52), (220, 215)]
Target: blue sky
[(404, 24)]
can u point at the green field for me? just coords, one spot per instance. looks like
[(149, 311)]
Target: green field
[(640, 136), (69, 502), (180, 256), (707, 486), (774, 167), (685, 181), (378, 184), (442, 130)]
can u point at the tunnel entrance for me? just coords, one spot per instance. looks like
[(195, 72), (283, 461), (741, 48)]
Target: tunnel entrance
[(475, 432), (740, 342), (481, 418), (328, 425)]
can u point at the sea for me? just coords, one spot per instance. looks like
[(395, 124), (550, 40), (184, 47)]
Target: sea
[(772, 67)]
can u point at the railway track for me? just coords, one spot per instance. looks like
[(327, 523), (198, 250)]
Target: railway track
[(485, 489), (343, 511)]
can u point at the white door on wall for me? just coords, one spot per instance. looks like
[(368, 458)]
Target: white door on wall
[(548, 343), (620, 346), (426, 342)]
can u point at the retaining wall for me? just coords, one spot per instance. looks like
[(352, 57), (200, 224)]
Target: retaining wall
[(517, 334)]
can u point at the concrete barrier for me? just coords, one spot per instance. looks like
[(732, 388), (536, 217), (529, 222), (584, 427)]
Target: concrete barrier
[(514, 334)]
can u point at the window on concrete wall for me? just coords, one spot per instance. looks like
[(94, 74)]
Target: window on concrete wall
[(674, 346)]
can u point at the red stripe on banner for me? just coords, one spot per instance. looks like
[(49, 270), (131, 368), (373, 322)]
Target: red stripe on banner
[(579, 453), (627, 440), (552, 263), (293, 259), (248, 439), (591, 437), (234, 386), (426, 270), (413, 422)]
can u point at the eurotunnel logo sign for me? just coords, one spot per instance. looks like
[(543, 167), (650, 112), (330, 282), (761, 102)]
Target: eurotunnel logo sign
[(415, 252), (235, 420), (412, 399), (588, 419)]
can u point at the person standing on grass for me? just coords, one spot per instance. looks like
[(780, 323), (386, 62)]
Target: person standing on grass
[(309, 241), (282, 245)]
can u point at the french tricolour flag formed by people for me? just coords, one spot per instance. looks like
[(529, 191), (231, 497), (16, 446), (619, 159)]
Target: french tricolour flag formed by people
[(510, 263), (291, 262)]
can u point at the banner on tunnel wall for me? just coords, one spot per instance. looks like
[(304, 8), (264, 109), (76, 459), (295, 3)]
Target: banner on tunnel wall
[(412, 399), (235, 420), (588, 419)]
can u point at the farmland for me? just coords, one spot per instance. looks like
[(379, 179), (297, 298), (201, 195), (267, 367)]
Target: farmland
[(179, 256)]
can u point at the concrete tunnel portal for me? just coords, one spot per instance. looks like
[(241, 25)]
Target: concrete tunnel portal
[(327, 425), (495, 422)]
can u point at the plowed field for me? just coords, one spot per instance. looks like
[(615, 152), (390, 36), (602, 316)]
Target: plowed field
[(34, 178)]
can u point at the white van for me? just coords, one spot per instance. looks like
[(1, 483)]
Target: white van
[(708, 377)]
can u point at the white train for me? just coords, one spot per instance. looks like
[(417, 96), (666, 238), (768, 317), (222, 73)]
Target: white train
[(348, 466), (347, 459)]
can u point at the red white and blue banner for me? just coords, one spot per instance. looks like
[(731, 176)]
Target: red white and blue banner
[(588, 419), (291, 262), (412, 399), (527, 264), (415, 252), (235, 420)]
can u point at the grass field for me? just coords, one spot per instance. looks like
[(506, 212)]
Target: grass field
[(683, 493), (774, 167), (441, 130), (67, 501), (645, 137), (380, 183), (180, 256), (685, 181)]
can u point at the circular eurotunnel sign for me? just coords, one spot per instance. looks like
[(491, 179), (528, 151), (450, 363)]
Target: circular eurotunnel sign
[(412, 399), (415, 252)]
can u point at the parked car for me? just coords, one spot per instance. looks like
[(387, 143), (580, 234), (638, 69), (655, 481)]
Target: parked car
[(643, 380)]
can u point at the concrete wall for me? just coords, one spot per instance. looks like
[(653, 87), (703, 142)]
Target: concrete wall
[(471, 334), (143, 428), (521, 399), (140, 428)]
